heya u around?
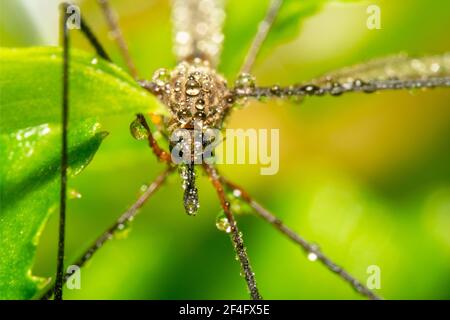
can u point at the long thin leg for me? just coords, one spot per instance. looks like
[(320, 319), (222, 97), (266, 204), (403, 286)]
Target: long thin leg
[(339, 88), (86, 30), (399, 72), (64, 156), (61, 277), (65, 38), (236, 235), (261, 35), (108, 234), (305, 245), (111, 18), (89, 34), (197, 29), (399, 66)]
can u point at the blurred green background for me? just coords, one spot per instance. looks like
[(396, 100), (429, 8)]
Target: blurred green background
[(365, 176)]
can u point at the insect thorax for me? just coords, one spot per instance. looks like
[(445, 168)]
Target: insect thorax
[(193, 92)]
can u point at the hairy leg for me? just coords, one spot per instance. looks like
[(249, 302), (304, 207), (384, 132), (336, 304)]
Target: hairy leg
[(261, 35), (161, 154), (236, 235), (111, 18), (86, 30), (390, 73), (337, 88)]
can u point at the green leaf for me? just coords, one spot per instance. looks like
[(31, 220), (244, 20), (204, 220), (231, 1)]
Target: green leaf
[(30, 143), (30, 88), (243, 18), (29, 192)]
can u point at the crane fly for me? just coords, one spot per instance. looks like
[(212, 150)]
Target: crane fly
[(197, 96)]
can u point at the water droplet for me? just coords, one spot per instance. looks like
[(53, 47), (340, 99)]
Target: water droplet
[(192, 87), (435, 67), (184, 116), (207, 86), (230, 99), (222, 223), (143, 188), (245, 83), (310, 89), (94, 61), (200, 104), (275, 90), (336, 89), (237, 193), (200, 115), (161, 77), (74, 194), (123, 229), (138, 131), (196, 74), (190, 197), (312, 256), (191, 203), (358, 83), (290, 91), (369, 87)]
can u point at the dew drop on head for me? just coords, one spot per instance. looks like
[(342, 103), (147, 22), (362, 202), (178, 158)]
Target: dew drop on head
[(192, 87)]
